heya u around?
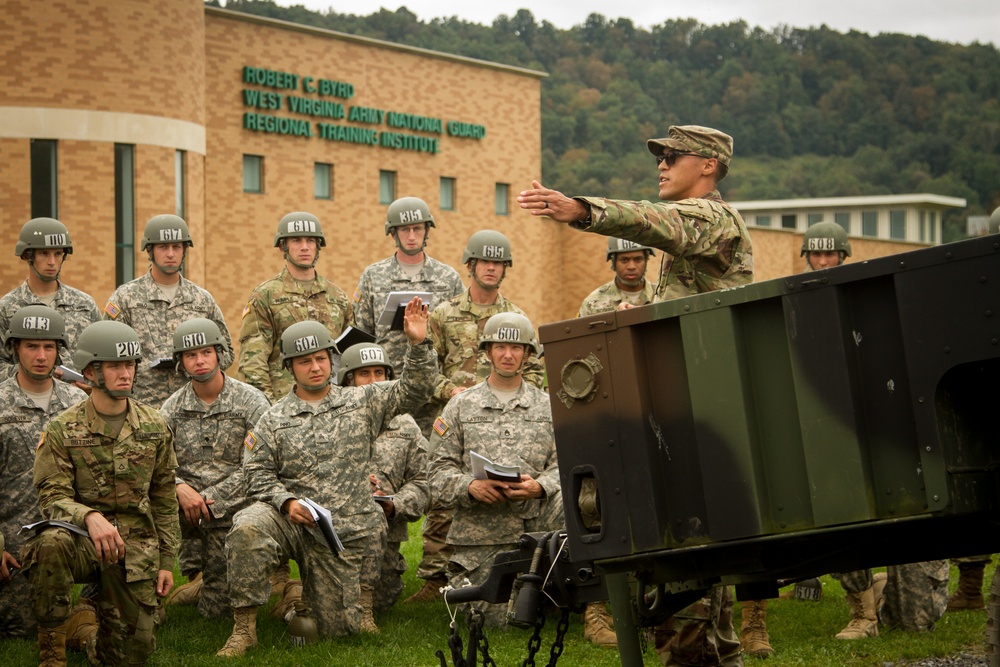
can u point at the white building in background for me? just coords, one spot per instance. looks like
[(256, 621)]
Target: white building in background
[(914, 218)]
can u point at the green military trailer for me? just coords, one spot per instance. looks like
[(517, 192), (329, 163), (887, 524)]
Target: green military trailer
[(755, 436)]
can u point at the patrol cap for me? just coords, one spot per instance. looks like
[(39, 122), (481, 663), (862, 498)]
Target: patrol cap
[(616, 245), (37, 322), (166, 228), (106, 340), (304, 338), (703, 141), (407, 211), (825, 237), (43, 233), (509, 328), (299, 223), (363, 355)]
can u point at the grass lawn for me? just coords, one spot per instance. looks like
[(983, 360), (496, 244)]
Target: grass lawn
[(801, 633)]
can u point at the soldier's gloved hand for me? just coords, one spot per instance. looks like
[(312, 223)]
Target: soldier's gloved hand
[(107, 542), (194, 506)]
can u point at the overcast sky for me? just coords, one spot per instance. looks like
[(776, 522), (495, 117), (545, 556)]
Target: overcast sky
[(961, 21)]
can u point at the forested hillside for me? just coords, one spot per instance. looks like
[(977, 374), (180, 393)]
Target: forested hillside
[(814, 113)]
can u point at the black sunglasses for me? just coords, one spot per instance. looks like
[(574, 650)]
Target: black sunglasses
[(671, 157)]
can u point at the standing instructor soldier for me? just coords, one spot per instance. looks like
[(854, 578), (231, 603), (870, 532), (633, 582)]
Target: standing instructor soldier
[(706, 247)]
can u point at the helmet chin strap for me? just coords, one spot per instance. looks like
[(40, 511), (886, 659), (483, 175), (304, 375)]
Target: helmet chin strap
[(168, 270), (37, 376), (472, 272), (44, 278), (314, 387), (114, 393), (288, 258), (638, 282), (427, 233)]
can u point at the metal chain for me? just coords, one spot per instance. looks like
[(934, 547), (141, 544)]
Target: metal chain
[(484, 645), (535, 642), (557, 643)]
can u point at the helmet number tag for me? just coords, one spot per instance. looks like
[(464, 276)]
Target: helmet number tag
[(508, 333), (301, 226), (36, 323), (56, 240), (822, 244), (171, 234), (493, 251), (627, 245), (197, 339), (128, 348), (407, 217), (306, 343), (371, 355)]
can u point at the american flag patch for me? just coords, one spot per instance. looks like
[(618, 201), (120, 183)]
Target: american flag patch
[(245, 310), (250, 441), (41, 440), (112, 310), (440, 427), (357, 295)]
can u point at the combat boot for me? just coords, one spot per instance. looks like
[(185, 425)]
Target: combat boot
[(598, 625), (280, 578), (186, 593), (753, 629), (969, 594), (431, 590), (367, 620), (81, 629), (864, 621), (244, 633), (292, 593), (52, 646), (878, 588)]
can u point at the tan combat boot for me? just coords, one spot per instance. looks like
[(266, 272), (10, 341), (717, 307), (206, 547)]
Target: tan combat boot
[(864, 621), (970, 588), (292, 593), (753, 629), (244, 633), (52, 646), (598, 625), (81, 629), (280, 578), (186, 593), (367, 620), (431, 590)]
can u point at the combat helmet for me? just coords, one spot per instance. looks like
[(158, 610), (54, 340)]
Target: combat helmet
[(509, 328), (194, 334), (304, 338), (107, 340), (995, 221), (490, 245), (36, 322), (826, 237), (407, 211), (299, 223), (42, 234), (617, 245), (166, 228), (361, 356)]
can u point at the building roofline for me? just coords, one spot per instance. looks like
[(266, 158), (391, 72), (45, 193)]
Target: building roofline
[(369, 41), (938, 201)]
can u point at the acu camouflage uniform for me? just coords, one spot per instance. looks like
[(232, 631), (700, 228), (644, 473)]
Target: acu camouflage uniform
[(915, 594), (705, 242), (140, 304), (82, 467), (324, 453), (518, 433), (607, 297), (77, 308), (208, 440), (275, 305), (21, 423), (401, 468)]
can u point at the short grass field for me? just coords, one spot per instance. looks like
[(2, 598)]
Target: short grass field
[(801, 633)]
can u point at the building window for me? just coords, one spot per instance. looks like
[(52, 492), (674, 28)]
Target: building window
[(502, 197), (763, 221), (386, 187), (180, 191), (44, 179), (897, 224), (869, 223), (788, 221), (323, 181), (843, 219), (447, 194), (124, 213), (814, 218), (253, 174)]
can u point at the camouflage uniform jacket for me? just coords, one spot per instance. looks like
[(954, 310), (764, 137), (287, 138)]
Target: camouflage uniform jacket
[(21, 423), (381, 278), (325, 452), (516, 434), (401, 468), (81, 468), (77, 308), (706, 243), (607, 297), (140, 304), (208, 440), (275, 305), (456, 326)]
